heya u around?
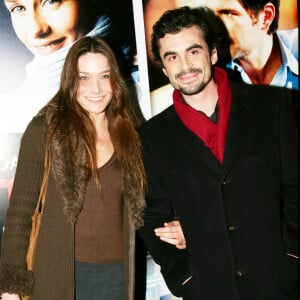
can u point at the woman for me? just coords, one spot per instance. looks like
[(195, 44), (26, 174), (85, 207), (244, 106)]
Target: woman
[(94, 199), (48, 29)]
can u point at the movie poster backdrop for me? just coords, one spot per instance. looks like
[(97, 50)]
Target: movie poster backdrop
[(29, 78)]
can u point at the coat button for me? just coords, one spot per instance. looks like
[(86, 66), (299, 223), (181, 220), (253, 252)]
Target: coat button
[(232, 228), (226, 182), (239, 273)]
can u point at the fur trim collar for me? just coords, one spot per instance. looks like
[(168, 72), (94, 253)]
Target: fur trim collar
[(68, 157)]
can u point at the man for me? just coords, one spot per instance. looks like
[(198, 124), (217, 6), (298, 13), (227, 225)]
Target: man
[(222, 160), (260, 53)]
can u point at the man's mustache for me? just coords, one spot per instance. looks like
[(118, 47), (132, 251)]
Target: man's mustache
[(186, 72)]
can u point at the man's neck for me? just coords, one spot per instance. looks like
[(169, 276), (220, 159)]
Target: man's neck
[(263, 69), (206, 100)]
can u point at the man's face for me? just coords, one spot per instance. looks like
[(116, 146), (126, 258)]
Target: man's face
[(245, 31), (187, 60), (45, 26)]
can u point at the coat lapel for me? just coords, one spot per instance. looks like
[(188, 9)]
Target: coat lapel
[(184, 138), (238, 126)]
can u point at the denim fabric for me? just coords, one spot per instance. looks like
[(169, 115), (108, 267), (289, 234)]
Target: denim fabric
[(99, 281)]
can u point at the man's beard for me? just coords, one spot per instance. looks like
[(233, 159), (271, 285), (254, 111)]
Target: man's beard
[(192, 90)]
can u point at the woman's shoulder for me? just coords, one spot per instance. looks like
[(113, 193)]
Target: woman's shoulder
[(36, 128)]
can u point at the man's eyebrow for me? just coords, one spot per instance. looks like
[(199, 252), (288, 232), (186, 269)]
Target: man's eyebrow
[(194, 46), (187, 49), (169, 53)]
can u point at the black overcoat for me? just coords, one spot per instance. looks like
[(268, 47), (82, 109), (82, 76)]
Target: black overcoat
[(239, 217)]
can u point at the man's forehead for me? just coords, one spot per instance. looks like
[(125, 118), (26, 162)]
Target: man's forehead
[(188, 35)]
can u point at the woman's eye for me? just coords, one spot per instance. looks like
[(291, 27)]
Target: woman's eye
[(105, 76), (51, 2), (17, 9)]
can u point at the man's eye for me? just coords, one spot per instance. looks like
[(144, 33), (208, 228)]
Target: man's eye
[(53, 1), (225, 12), (193, 52), (172, 57)]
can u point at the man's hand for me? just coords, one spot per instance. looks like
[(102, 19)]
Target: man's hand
[(172, 233)]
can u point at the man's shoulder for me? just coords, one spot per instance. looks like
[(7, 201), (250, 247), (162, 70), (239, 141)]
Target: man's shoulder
[(260, 90), (265, 96), (158, 121)]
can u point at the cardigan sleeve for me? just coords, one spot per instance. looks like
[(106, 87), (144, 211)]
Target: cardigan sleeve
[(14, 277)]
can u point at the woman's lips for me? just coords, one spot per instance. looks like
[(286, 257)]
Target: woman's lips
[(46, 48)]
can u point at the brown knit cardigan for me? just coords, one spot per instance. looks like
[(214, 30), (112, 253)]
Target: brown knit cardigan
[(53, 274)]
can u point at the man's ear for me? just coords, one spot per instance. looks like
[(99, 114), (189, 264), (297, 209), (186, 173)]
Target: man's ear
[(214, 56), (269, 15), (165, 71)]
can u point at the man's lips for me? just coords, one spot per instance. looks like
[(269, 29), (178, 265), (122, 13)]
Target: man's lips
[(188, 77)]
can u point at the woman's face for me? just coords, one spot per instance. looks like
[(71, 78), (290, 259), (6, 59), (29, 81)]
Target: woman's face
[(45, 26), (94, 91)]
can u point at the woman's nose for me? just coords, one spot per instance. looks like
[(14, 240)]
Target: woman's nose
[(95, 86), (39, 25)]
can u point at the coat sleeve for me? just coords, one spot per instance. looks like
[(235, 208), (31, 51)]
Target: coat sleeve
[(174, 263), (289, 176), (14, 277)]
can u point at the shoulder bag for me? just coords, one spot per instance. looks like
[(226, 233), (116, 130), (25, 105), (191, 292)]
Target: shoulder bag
[(37, 219)]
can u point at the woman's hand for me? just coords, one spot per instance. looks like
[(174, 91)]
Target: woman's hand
[(172, 233), (7, 296)]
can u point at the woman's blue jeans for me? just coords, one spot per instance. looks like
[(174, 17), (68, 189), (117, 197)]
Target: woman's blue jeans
[(99, 281)]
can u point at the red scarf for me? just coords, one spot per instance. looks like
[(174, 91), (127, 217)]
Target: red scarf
[(213, 135)]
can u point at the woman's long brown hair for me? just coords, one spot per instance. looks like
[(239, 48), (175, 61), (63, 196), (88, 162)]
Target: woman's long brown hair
[(72, 125)]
